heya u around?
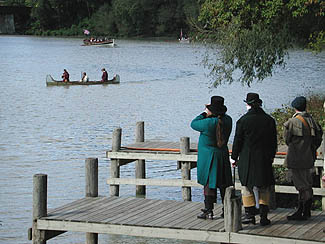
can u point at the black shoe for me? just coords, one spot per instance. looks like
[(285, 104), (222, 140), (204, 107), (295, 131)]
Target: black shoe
[(307, 207), (264, 209), (249, 217), (207, 214), (298, 214)]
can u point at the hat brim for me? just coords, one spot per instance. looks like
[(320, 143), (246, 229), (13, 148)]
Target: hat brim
[(216, 109), (254, 101)]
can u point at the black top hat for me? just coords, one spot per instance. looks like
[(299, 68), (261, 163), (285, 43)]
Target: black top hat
[(252, 98), (217, 106)]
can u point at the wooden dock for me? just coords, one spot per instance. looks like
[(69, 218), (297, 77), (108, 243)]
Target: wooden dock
[(164, 218), (175, 219)]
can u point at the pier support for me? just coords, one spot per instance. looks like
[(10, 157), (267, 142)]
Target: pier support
[(140, 167), (91, 190), (232, 205), (186, 168), (39, 206), (115, 166)]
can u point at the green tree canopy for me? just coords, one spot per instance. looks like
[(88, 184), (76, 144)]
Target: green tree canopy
[(250, 38)]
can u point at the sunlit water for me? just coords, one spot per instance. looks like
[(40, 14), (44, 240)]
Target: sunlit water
[(52, 130)]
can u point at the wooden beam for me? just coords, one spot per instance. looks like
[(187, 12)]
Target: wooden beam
[(153, 182), (181, 234)]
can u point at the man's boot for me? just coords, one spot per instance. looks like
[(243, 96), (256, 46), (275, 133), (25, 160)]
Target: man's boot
[(207, 212), (249, 217), (307, 207), (264, 209), (298, 214)]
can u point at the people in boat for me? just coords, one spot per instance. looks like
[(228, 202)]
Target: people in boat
[(65, 76), (104, 75), (85, 77)]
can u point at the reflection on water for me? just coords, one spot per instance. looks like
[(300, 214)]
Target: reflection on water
[(52, 130)]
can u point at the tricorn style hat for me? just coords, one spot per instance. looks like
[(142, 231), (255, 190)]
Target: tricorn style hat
[(252, 98), (217, 105), (299, 103)]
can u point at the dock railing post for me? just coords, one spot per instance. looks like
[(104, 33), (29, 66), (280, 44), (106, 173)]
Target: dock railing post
[(39, 206), (232, 208), (140, 167), (185, 168), (115, 167), (323, 175), (91, 167)]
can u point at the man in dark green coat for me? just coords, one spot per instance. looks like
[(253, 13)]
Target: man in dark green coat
[(213, 164), (254, 149)]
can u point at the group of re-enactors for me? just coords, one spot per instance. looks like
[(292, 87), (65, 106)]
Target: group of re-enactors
[(253, 151), (84, 78)]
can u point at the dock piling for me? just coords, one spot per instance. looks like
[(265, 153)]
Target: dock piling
[(185, 168), (91, 190), (39, 206), (232, 208), (115, 167), (140, 167)]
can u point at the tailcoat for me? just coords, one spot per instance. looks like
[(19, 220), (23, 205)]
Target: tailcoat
[(255, 144), (213, 165)]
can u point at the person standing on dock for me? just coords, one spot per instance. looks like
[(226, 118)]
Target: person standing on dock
[(65, 76), (254, 149), (104, 75), (303, 135), (213, 165)]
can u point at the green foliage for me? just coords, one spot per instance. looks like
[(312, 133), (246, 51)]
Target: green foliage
[(252, 37)]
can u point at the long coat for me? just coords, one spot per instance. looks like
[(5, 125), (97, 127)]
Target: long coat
[(213, 165), (299, 138), (255, 144)]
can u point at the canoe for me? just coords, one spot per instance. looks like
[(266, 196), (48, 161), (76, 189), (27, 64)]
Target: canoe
[(109, 42), (51, 82)]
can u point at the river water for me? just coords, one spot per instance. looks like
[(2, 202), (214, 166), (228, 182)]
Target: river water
[(52, 130)]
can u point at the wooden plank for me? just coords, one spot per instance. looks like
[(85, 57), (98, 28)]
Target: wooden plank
[(276, 216), (67, 206), (255, 239), (81, 208), (135, 231), (153, 215), (99, 209), (310, 224), (153, 182), (133, 213), (188, 213), (167, 212), (110, 210), (316, 231)]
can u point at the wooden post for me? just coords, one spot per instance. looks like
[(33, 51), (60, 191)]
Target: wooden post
[(232, 206), (115, 167), (323, 176), (185, 168), (91, 190), (140, 167), (39, 206)]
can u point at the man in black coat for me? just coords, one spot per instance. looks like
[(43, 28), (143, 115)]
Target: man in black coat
[(254, 148)]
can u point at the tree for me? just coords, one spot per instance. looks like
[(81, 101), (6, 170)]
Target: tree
[(251, 38)]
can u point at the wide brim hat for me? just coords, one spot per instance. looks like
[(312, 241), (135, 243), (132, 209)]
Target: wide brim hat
[(216, 105), (252, 98)]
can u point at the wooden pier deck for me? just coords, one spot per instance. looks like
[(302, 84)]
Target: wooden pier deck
[(176, 219)]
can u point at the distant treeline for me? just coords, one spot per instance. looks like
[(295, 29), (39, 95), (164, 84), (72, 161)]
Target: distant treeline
[(119, 18)]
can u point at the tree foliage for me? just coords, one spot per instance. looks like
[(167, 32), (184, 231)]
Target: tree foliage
[(251, 38)]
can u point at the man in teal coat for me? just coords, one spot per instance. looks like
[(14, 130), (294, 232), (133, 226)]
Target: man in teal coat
[(213, 165), (254, 148)]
